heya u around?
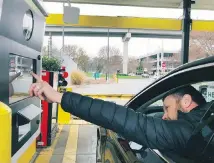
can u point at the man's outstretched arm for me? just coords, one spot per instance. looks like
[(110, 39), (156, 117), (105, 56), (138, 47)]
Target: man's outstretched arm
[(147, 131)]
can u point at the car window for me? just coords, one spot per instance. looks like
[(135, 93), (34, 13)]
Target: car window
[(206, 89), (157, 103)]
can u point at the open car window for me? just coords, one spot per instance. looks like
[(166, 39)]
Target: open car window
[(194, 72), (157, 103), (206, 89)]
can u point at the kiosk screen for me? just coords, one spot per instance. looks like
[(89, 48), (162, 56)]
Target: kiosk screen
[(20, 78)]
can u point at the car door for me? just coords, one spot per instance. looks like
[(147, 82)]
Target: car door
[(153, 105), (149, 101)]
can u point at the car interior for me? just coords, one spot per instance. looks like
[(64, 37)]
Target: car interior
[(155, 108)]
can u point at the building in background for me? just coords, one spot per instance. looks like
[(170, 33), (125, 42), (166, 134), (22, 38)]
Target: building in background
[(163, 62)]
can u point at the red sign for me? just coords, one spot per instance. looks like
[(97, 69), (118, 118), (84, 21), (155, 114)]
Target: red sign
[(63, 68), (65, 75), (163, 64)]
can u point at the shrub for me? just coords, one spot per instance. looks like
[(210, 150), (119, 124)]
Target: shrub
[(123, 74), (77, 77), (51, 63)]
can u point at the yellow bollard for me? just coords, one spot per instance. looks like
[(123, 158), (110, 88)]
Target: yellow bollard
[(115, 78), (5, 133), (64, 117)]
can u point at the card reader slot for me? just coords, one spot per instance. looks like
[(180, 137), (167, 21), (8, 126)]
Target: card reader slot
[(25, 117)]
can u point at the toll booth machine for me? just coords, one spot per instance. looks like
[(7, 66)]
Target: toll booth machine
[(21, 35)]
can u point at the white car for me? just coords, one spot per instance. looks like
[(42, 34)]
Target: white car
[(146, 75), (155, 77)]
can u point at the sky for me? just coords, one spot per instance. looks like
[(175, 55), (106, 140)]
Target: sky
[(137, 46)]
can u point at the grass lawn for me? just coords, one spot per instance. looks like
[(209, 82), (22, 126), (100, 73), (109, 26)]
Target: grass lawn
[(129, 77), (89, 74), (119, 77)]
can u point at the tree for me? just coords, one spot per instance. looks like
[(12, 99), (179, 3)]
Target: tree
[(72, 51), (115, 59), (54, 51), (147, 64), (115, 63), (44, 50), (139, 69), (175, 60), (78, 55), (133, 64), (83, 61), (50, 63), (103, 52), (95, 65), (201, 45)]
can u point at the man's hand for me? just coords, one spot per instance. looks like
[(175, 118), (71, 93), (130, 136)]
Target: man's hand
[(44, 91)]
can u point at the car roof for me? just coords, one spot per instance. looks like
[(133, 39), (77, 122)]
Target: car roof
[(193, 72), (198, 62)]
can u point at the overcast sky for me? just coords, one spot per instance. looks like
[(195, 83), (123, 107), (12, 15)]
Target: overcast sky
[(137, 46)]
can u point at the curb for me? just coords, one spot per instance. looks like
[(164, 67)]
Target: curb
[(110, 95)]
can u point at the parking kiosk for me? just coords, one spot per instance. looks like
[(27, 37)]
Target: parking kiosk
[(21, 36)]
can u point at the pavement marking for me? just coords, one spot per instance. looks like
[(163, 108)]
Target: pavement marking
[(58, 153), (71, 147), (44, 156), (87, 143)]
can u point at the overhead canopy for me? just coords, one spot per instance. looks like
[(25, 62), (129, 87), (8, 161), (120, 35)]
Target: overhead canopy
[(200, 4)]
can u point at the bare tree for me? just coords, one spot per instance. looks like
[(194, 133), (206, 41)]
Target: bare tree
[(115, 63), (201, 45), (174, 61), (139, 69), (115, 59), (54, 51), (44, 50), (78, 55), (133, 64), (72, 51), (96, 65), (147, 64), (83, 61)]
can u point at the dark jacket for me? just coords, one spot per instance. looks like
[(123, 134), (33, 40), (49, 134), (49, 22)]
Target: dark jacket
[(148, 131)]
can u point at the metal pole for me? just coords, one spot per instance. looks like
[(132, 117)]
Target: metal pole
[(63, 36), (63, 40), (69, 3), (158, 62), (187, 21), (108, 62), (162, 56), (50, 45)]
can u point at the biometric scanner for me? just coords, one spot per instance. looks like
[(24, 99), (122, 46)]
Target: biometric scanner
[(22, 26)]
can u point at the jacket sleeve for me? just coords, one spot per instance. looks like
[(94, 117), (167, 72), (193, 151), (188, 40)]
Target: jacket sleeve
[(148, 131)]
